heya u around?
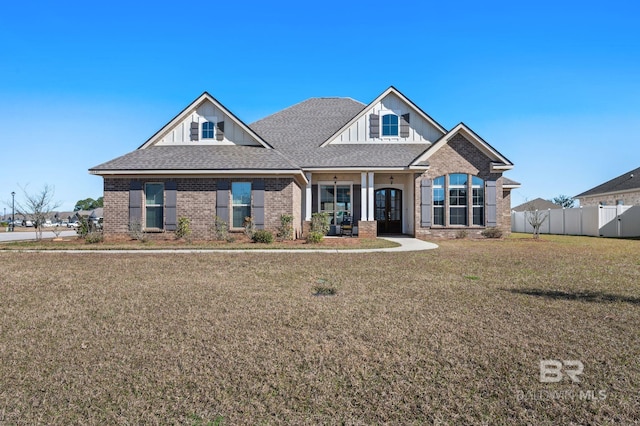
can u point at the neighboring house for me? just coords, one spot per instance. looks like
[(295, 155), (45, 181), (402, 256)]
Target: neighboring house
[(623, 190), (388, 164), (536, 204)]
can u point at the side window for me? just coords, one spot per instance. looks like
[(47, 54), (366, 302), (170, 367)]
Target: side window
[(438, 201), (477, 195), (240, 203), (154, 205)]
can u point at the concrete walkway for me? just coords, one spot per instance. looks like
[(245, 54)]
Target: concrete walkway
[(406, 244)]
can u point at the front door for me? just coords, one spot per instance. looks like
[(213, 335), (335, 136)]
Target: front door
[(389, 210)]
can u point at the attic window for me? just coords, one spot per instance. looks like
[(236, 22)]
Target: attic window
[(208, 130), (390, 125)]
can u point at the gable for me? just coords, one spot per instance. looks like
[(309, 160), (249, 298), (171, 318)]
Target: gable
[(405, 123), (205, 122), (461, 134)]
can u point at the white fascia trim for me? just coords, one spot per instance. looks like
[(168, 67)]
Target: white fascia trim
[(374, 102), (196, 172), (191, 108), (470, 135), (511, 186), (497, 167), (356, 169)]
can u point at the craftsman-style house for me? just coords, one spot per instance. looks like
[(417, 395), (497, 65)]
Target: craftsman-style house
[(388, 165)]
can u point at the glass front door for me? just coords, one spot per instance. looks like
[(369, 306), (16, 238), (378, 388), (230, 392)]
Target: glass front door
[(389, 210)]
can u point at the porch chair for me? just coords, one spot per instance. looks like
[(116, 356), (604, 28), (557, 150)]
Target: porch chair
[(346, 227)]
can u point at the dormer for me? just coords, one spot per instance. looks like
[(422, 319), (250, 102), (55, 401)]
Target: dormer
[(205, 122), (390, 118)]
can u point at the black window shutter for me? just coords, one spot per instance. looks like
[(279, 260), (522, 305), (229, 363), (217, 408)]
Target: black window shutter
[(357, 208), (374, 126), (171, 198), (220, 130), (222, 201), (314, 198), (492, 212), (194, 131), (425, 202), (404, 125), (258, 203), (135, 202)]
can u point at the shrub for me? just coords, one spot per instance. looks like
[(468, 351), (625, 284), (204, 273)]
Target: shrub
[(220, 229), (315, 237), (262, 236), (492, 232), (136, 231), (285, 231), (320, 223), (461, 234), (249, 227), (184, 228), (84, 227), (94, 237)]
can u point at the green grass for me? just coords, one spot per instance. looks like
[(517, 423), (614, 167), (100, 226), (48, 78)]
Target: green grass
[(240, 338)]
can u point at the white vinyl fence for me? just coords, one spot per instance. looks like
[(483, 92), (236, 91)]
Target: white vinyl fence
[(596, 221)]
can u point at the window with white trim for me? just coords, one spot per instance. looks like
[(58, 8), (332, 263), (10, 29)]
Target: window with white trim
[(477, 200), (208, 130), (154, 205), (458, 199), (335, 199), (390, 125), (438, 201), (240, 203)]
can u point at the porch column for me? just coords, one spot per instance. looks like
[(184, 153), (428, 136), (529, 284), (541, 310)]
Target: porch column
[(363, 196), (370, 196), (307, 198)]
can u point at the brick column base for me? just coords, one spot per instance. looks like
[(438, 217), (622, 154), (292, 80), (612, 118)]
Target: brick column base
[(306, 228), (367, 229)]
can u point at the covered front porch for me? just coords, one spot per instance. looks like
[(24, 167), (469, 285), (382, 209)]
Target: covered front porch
[(380, 202)]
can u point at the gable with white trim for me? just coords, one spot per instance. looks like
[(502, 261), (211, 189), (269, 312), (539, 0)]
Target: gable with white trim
[(206, 125), (403, 124)]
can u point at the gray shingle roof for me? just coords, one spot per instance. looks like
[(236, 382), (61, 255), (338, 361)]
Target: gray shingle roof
[(626, 181), (298, 132), (307, 124), (199, 157)]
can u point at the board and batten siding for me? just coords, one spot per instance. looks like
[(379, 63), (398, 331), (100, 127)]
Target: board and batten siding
[(420, 130), (180, 134)]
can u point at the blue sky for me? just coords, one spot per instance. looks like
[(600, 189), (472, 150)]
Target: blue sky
[(555, 86)]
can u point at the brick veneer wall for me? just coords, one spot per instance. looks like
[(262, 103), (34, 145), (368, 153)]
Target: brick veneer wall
[(196, 199), (367, 229), (628, 199), (461, 156)]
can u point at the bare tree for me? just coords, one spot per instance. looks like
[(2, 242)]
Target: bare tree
[(535, 218), (38, 206)]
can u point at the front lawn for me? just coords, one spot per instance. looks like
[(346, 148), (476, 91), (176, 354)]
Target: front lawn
[(449, 336)]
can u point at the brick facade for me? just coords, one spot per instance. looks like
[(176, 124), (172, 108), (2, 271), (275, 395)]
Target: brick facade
[(367, 229), (631, 198), (461, 156), (196, 200)]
